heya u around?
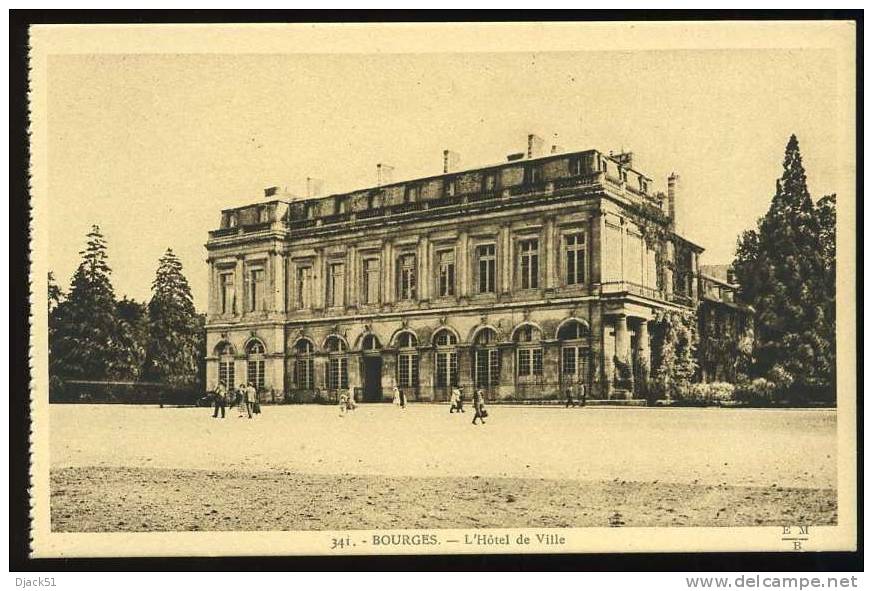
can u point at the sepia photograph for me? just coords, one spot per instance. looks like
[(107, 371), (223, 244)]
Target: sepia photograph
[(419, 288)]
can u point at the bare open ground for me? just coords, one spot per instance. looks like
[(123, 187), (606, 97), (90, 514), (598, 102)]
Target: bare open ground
[(123, 468)]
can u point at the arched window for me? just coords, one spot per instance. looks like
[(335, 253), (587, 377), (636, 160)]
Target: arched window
[(370, 343), (337, 363), (575, 354), (486, 370), (407, 360), (446, 358), (225, 364), (255, 357), (304, 365), (528, 354)]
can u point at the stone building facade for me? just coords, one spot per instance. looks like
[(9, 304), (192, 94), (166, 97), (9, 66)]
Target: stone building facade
[(521, 278), (725, 327)]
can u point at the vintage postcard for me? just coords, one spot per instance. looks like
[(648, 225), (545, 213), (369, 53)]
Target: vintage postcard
[(342, 289)]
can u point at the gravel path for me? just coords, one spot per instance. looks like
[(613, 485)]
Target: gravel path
[(124, 499), (746, 447)]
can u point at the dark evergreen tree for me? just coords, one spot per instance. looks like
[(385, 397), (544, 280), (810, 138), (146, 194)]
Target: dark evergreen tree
[(55, 295), (783, 268), (136, 316), (89, 341), (173, 348)]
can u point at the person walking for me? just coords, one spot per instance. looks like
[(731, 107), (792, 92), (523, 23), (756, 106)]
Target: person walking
[(351, 403), (453, 399), (343, 403), (479, 406), (460, 404), (581, 394), (396, 397), (240, 400), (402, 398), (220, 399), (570, 401), (251, 396)]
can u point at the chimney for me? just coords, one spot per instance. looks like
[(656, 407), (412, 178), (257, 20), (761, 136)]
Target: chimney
[(270, 191), (534, 146), (384, 174), (451, 161), (673, 190), (556, 149), (514, 157), (625, 159), (314, 187)]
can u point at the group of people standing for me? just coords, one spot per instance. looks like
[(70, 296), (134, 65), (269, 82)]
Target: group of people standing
[(244, 397)]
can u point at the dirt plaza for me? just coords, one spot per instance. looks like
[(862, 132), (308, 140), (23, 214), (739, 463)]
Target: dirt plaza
[(140, 468)]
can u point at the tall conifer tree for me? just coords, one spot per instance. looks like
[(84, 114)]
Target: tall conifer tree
[(173, 345), (785, 269), (89, 341)]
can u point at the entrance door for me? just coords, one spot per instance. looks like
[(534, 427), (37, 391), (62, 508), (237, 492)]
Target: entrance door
[(372, 378)]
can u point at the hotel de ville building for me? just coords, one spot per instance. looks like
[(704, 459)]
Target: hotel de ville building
[(522, 278)]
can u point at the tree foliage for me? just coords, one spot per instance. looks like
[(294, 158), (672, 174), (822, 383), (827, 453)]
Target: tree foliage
[(174, 327), (88, 338), (786, 271), (674, 341)]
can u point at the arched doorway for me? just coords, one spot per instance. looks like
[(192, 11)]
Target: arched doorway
[(226, 375), (486, 361), (407, 364), (371, 368), (573, 336), (255, 364), (337, 364), (304, 365), (529, 378), (446, 362)]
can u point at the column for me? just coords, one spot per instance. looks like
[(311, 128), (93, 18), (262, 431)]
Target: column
[(319, 364), (352, 272), (551, 253), (387, 271), (506, 387), (355, 381), (598, 387), (623, 353), (389, 371), (463, 259), (644, 353), (239, 285), (504, 250), (465, 370), (424, 276), (595, 249), (425, 374), (212, 306), (319, 268)]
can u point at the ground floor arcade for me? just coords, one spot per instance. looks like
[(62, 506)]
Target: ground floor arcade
[(533, 353)]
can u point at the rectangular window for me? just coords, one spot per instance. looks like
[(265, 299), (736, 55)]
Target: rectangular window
[(487, 367), (337, 373), (574, 362), (446, 279), (533, 174), (575, 165), (412, 193), (256, 373), (489, 181), (530, 362), (372, 278), (304, 287), (256, 290), (407, 369), (305, 374), (226, 293), (450, 188), (529, 264), (487, 268), (575, 249), (336, 285), (446, 368), (225, 373), (406, 273)]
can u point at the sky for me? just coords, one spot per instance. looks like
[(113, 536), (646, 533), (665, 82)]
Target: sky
[(152, 147)]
